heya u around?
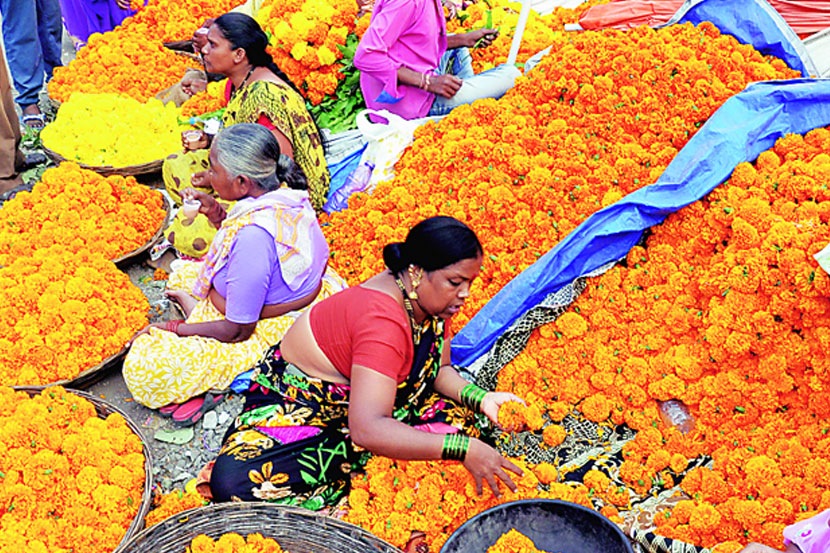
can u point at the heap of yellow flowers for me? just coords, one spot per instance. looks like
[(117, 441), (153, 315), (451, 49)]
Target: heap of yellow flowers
[(171, 503), (725, 309), (62, 312), (113, 130), (69, 480), (396, 497), (504, 15), (126, 61), (80, 210), (234, 543), (171, 21), (599, 117), (305, 39)]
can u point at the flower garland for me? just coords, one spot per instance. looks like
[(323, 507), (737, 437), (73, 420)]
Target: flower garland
[(306, 36), (234, 543), (69, 480), (396, 497), (601, 116), (62, 312), (135, 132), (725, 309), (129, 60), (80, 210)]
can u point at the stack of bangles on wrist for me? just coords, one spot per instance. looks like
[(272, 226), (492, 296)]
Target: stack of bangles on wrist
[(425, 82), (472, 396), (455, 447), (173, 326)]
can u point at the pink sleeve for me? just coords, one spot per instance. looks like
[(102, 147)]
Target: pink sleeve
[(811, 535)]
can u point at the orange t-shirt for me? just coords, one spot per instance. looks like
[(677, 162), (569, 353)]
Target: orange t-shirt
[(360, 326)]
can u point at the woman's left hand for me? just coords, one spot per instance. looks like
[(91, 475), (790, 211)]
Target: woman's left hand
[(480, 38), (492, 401)]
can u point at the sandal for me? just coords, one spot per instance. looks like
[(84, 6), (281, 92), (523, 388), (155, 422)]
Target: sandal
[(191, 412), (167, 411), (34, 120)]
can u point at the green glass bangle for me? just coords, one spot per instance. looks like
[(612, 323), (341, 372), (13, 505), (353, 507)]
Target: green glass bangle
[(472, 396), (455, 447)]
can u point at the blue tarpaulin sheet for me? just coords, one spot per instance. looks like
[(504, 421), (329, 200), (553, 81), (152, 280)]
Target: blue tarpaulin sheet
[(744, 126)]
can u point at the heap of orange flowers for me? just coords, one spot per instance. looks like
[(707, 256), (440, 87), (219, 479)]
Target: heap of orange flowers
[(62, 312), (171, 21), (69, 480), (503, 15), (599, 117), (306, 35), (211, 99), (126, 61), (725, 309), (436, 497), (514, 541), (80, 210), (174, 502), (234, 543)]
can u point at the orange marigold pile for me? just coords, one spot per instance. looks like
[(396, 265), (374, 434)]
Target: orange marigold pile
[(600, 116), (234, 543), (306, 35), (212, 99), (725, 309), (171, 21), (69, 480), (62, 312), (394, 497), (80, 210), (514, 541), (169, 504)]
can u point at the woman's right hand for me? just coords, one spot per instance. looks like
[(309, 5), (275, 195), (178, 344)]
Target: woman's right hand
[(485, 464), (445, 86), (190, 193)]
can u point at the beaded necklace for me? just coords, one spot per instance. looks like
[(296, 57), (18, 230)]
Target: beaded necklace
[(417, 329), (244, 81)]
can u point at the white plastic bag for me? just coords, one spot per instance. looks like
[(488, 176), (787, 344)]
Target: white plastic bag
[(386, 141)]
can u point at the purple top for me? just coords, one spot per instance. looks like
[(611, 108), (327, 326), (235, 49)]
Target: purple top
[(403, 33), (811, 535), (84, 17), (252, 278)]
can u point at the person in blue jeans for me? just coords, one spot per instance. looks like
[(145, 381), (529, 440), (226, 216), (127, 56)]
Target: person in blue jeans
[(32, 32)]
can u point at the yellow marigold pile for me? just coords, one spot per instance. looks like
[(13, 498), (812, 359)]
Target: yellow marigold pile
[(599, 117), (172, 503), (62, 312), (80, 210), (113, 130), (305, 39), (725, 309), (69, 480), (171, 20), (126, 61), (394, 498), (234, 543), (514, 541)]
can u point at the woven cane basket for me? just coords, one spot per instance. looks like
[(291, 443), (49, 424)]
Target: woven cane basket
[(104, 409), (296, 530), (107, 170)]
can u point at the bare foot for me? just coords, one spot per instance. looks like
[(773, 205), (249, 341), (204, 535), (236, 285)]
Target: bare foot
[(185, 300)]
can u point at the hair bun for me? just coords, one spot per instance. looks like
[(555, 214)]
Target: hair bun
[(395, 256)]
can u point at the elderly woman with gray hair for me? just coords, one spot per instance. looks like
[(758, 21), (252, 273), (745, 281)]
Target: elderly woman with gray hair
[(267, 262)]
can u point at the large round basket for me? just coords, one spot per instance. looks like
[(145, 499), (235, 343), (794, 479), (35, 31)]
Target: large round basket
[(553, 525), (296, 530), (104, 409), (155, 238), (107, 170)]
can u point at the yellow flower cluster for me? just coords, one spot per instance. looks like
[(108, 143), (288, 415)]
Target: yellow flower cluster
[(62, 312), (69, 480), (80, 209), (169, 504), (207, 101), (110, 129), (234, 543), (305, 39)]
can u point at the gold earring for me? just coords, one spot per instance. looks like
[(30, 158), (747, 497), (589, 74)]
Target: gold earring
[(415, 280)]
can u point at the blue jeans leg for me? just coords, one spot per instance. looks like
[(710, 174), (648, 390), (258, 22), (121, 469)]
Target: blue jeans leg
[(492, 83), (23, 49), (50, 31)]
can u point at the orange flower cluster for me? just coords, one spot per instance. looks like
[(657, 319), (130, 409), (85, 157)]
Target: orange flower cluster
[(599, 117), (127, 60), (80, 210), (170, 21), (62, 312), (208, 101), (436, 497), (234, 543), (69, 480), (514, 542), (306, 35), (503, 15), (725, 309), (169, 504)]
